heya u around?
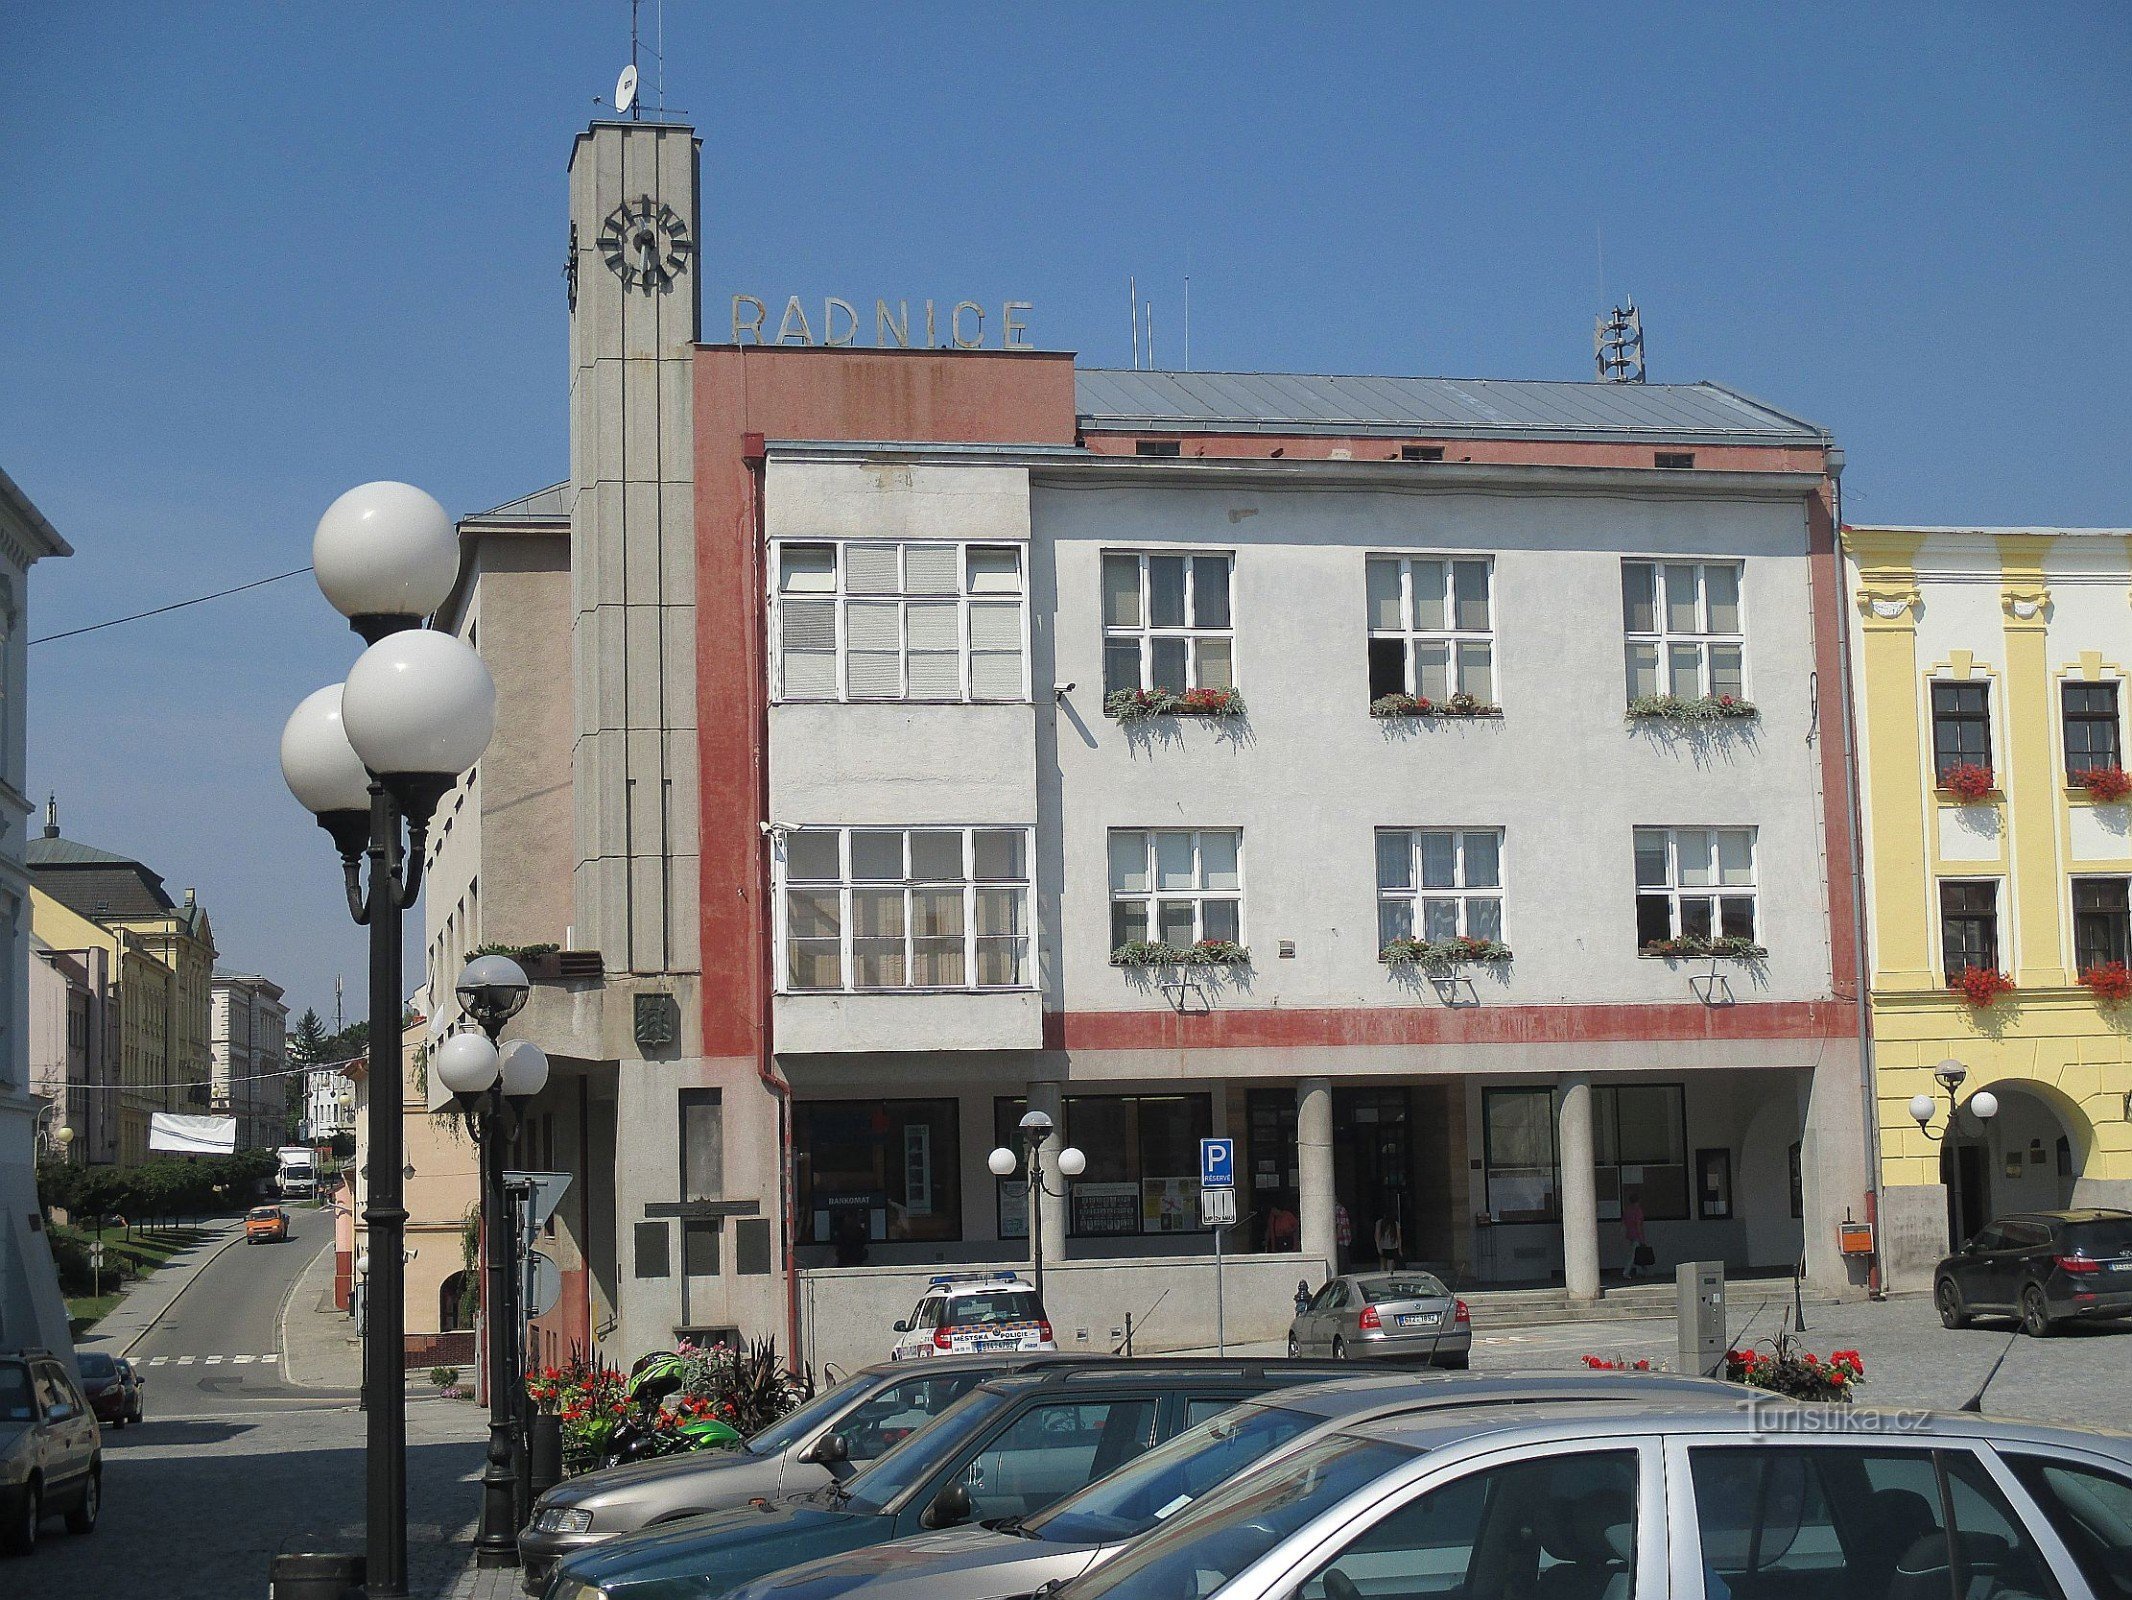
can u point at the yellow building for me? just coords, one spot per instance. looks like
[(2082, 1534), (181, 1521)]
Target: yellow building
[(162, 953), (1990, 671)]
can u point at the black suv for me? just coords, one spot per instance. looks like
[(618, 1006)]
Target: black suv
[(2044, 1267), (51, 1451)]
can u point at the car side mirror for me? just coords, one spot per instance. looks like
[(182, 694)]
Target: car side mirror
[(950, 1507), (903, 1325), (830, 1450)]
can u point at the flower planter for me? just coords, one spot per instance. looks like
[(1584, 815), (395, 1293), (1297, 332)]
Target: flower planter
[(2109, 981), (1732, 948), (2106, 784), (1132, 705), (1443, 952), (1679, 708), (1982, 987), (1968, 783), (1206, 953), (1394, 706)]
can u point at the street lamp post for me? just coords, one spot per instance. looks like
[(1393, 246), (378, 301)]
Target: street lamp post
[(492, 1086), (1983, 1105), (1036, 1128), (369, 758)]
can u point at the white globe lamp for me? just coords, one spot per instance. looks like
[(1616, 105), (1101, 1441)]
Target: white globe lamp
[(524, 1068), (1921, 1108), (419, 705), (323, 771), (1002, 1162), (386, 555), (1985, 1104), (467, 1064), (492, 988), (1072, 1163)]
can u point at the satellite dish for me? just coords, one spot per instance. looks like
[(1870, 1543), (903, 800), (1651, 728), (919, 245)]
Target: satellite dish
[(625, 89)]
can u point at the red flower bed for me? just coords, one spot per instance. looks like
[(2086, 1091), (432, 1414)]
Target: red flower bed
[(1967, 781), (2109, 981), (1982, 986), (1603, 1364), (2105, 783)]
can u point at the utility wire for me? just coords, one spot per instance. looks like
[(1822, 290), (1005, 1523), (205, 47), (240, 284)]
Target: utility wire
[(175, 605)]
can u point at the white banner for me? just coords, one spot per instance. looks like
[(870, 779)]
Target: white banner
[(192, 1136)]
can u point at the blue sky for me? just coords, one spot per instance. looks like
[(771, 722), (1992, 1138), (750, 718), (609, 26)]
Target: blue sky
[(257, 253)]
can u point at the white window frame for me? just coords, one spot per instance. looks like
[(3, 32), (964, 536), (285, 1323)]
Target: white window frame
[(1414, 894), (841, 597), (1675, 890), (1199, 895), (1146, 632), (846, 885), (1664, 640), (1450, 636)]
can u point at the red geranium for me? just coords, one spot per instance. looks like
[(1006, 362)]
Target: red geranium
[(1982, 986), (2109, 981), (1967, 781), (2105, 783)]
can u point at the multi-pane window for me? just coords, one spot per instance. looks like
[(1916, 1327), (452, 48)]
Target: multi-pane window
[(1431, 627), (877, 1171), (882, 620), (1639, 1149), (1439, 883), (1694, 883), (2091, 738), (907, 908), (1682, 621), (1166, 622), (1969, 924), (1961, 726), (1175, 886), (2102, 921), (1518, 1144)]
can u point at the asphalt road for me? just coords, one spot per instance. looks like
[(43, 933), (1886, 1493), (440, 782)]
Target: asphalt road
[(217, 1350)]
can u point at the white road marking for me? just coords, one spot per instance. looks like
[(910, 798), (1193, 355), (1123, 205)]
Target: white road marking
[(210, 1360), (157, 1361), (185, 1361), (240, 1360)]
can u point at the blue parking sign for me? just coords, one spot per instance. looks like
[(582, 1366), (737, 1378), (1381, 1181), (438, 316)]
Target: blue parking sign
[(1217, 1163)]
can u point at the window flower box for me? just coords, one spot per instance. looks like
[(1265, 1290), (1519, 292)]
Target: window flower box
[(1726, 947), (2105, 783), (1679, 708), (1968, 782), (1130, 705), (1206, 953), (1451, 952), (1420, 705), (1982, 987), (2109, 981)]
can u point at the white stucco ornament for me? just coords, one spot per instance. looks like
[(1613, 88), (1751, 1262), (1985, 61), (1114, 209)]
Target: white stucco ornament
[(1888, 608), (2024, 606)]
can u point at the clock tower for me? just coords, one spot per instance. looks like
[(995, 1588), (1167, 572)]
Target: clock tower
[(634, 289)]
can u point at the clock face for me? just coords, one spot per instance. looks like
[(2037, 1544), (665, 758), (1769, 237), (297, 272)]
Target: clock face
[(645, 244)]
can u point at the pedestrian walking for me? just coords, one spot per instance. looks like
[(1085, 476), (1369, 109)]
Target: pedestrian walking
[(1343, 1236), (1391, 1244), (1641, 1256)]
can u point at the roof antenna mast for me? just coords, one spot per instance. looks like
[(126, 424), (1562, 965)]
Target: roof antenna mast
[(1617, 345)]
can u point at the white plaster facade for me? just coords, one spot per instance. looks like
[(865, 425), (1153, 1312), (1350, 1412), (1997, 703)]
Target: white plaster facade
[(248, 1039)]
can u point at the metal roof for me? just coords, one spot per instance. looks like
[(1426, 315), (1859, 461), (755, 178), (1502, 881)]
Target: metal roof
[(542, 505), (1284, 402)]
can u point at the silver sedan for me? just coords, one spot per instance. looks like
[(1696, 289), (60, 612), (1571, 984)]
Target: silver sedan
[(1372, 1315)]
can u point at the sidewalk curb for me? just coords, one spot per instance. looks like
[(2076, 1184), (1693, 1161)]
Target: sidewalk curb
[(193, 1271), (281, 1317)]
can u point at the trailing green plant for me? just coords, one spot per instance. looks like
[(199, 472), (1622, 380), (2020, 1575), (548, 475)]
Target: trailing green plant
[(1420, 705), (1452, 952), (517, 952), (1130, 705), (1684, 708), (1155, 953), (1725, 947)]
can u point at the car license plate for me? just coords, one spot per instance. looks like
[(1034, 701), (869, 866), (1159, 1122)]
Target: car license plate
[(1009, 1343), (1416, 1319)]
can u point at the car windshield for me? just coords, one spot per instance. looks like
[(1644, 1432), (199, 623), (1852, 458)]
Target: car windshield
[(1003, 1305), (1169, 1477), (1209, 1542), (880, 1485), (261, 1213), (15, 1403), (94, 1365), (1402, 1286), (794, 1426), (2099, 1239)]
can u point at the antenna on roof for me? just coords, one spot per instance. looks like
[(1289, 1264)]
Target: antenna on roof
[(1132, 295), (1617, 345)]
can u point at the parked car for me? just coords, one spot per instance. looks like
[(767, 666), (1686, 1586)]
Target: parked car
[(1407, 1316), (830, 1438), (51, 1451), (113, 1385), (266, 1225), (964, 1313), (1007, 1449), (1654, 1500), (2044, 1267), (1091, 1525)]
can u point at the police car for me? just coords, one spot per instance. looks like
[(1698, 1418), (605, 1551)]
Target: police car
[(964, 1313)]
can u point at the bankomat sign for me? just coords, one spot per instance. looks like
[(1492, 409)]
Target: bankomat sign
[(934, 325)]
